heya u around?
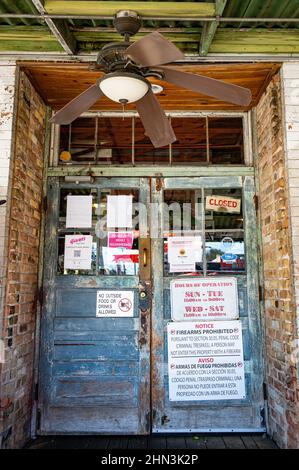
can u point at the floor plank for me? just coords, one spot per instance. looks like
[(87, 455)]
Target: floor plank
[(196, 442), (215, 442), (249, 442), (176, 442), (118, 442), (139, 442), (264, 442), (157, 442), (226, 441), (233, 442), (98, 442)]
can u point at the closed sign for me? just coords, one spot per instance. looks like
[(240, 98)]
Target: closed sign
[(223, 204)]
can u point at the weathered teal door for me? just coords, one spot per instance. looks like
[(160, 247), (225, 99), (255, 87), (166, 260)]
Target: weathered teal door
[(110, 374), (220, 232), (94, 370)]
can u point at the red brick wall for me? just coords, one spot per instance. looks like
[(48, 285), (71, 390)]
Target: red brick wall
[(23, 249), (279, 302)]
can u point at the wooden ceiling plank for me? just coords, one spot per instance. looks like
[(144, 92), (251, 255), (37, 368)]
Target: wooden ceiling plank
[(209, 29), (59, 28), (145, 9), (75, 78)]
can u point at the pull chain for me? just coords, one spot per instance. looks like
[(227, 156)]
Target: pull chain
[(123, 102)]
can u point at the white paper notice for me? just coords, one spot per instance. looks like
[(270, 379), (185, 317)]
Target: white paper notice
[(183, 253), (79, 211), (205, 298), (115, 303), (77, 252), (205, 361), (119, 211)]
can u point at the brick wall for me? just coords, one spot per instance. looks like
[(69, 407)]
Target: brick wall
[(279, 303), (18, 326), (8, 78)]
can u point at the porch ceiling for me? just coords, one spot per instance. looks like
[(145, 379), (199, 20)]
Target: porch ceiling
[(198, 27), (58, 83)]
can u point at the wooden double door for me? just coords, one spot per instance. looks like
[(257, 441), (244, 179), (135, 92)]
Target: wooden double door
[(109, 374)]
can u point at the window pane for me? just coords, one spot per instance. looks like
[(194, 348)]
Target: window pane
[(223, 209), (182, 223), (226, 141), (79, 139), (191, 144), (225, 252), (118, 246), (145, 152), (98, 140), (61, 253), (76, 192)]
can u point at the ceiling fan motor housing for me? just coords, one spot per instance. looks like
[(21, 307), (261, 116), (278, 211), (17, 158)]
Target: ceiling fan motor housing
[(127, 22)]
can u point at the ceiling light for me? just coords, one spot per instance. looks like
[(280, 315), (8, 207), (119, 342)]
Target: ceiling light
[(124, 87), (156, 88)]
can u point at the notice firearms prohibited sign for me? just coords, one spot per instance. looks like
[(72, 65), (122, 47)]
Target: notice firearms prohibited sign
[(206, 298), (205, 361), (115, 303)]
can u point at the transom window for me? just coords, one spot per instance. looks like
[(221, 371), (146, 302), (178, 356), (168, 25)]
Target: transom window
[(105, 140)]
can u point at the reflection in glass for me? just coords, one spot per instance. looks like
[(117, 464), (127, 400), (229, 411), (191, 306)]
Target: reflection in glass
[(225, 252), (182, 217)]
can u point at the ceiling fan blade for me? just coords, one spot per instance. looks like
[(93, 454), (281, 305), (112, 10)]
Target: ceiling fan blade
[(154, 49), (156, 124), (208, 86), (77, 106)]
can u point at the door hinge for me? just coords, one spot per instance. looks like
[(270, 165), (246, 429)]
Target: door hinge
[(148, 421), (256, 202), (36, 392), (159, 184), (261, 294), (38, 418), (265, 391), (41, 296), (45, 203)]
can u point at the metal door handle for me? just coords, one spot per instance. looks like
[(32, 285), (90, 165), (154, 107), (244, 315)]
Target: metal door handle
[(144, 257)]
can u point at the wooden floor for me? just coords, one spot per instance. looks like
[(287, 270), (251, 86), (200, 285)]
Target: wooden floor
[(226, 441)]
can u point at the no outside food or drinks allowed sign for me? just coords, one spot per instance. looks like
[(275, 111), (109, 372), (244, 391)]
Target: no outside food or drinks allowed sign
[(115, 303)]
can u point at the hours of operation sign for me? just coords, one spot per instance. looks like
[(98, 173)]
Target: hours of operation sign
[(205, 361), (206, 298)]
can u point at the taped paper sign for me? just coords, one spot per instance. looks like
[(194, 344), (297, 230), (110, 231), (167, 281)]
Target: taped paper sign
[(120, 240), (79, 211), (119, 211), (183, 253), (204, 298), (115, 303), (223, 204), (205, 361), (77, 252)]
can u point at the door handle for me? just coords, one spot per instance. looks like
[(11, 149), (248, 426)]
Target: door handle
[(144, 257)]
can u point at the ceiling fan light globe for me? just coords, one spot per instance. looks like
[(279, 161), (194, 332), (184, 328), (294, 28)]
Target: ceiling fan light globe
[(124, 87)]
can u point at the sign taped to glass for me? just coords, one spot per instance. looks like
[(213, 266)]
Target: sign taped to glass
[(206, 298)]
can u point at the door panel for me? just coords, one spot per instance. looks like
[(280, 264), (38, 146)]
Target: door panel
[(94, 374), (212, 415)]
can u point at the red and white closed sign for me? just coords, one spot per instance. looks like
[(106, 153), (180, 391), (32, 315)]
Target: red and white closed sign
[(223, 204)]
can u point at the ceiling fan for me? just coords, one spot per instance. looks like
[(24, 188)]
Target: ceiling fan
[(127, 67)]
